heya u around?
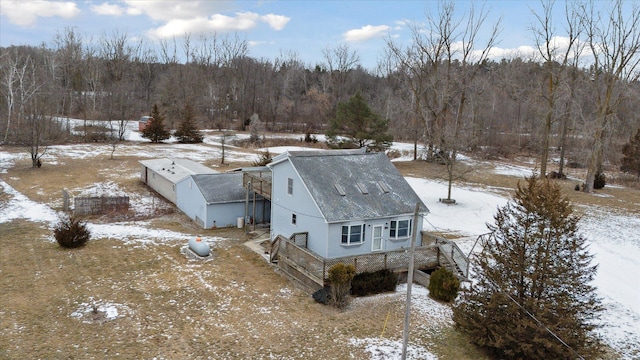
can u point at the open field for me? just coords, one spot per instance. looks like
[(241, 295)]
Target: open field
[(152, 302)]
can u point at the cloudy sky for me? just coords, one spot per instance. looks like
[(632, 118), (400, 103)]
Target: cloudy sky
[(270, 27)]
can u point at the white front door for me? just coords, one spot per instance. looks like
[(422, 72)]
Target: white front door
[(376, 243)]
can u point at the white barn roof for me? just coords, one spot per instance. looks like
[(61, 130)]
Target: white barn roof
[(175, 170)]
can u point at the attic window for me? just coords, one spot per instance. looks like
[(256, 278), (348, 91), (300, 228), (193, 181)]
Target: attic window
[(340, 190), (362, 188), (384, 187)]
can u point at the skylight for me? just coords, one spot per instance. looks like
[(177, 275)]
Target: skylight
[(362, 188), (340, 190)]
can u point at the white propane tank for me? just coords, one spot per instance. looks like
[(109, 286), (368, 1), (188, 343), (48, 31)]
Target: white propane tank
[(240, 222), (199, 246)]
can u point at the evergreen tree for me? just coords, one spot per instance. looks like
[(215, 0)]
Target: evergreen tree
[(533, 281), (188, 132), (356, 125), (155, 131), (631, 152)]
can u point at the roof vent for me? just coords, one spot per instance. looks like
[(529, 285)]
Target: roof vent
[(384, 187), (340, 190), (362, 188)]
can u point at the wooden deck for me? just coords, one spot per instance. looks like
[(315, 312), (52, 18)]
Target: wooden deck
[(259, 182), (312, 270)]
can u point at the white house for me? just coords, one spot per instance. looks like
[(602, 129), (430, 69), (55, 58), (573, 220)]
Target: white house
[(348, 202)]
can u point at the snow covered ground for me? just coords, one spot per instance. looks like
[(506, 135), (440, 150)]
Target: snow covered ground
[(614, 237)]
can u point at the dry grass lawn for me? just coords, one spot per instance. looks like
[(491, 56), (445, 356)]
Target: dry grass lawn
[(236, 306)]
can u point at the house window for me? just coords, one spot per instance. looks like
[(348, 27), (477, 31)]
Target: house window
[(352, 234), (290, 186), (173, 187), (293, 219), (400, 229)]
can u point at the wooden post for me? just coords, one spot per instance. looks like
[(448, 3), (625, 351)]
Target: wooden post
[(407, 311)]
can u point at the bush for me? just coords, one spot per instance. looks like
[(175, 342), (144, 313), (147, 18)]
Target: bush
[(340, 276), (443, 285), (323, 296), (373, 283), (71, 232), (599, 181)]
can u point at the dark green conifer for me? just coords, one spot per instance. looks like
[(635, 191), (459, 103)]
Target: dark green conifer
[(188, 133), (155, 131), (532, 297)]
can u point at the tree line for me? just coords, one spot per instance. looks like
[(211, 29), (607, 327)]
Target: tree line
[(443, 91)]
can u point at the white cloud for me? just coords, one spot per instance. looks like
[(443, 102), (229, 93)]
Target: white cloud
[(365, 33), (26, 13), (217, 22), (253, 43), (276, 22), (108, 9), (169, 10), (525, 52)]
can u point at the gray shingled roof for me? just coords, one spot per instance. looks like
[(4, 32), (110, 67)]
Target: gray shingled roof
[(220, 188), (387, 192)]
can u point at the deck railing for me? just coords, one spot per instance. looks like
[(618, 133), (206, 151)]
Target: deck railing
[(451, 250), (317, 268)]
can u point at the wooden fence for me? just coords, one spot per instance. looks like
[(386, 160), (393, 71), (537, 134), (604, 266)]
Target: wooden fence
[(92, 205)]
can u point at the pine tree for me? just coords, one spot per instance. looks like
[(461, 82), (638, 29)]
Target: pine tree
[(155, 131), (631, 152), (533, 279), (188, 133), (361, 127)]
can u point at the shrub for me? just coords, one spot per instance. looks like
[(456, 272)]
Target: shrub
[(443, 285), (308, 138), (374, 283), (71, 232), (323, 296), (340, 276), (599, 181)]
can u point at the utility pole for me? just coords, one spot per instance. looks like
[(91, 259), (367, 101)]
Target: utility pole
[(407, 310)]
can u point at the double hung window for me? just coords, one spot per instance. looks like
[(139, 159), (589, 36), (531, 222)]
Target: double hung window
[(400, 229), (352, 234)]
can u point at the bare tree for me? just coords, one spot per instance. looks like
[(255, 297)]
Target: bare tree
[(117, 55), (439, 67), (555, 57), (613, 38), (340, 61), (20, 85), (69, 77)]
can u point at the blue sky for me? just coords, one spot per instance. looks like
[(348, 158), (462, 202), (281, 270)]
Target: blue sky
[(270, 27)]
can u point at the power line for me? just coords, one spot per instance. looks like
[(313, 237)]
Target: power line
[(536, 320)]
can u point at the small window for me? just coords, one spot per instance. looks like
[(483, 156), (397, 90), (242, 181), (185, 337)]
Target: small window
[(363, 188), (340, 190), (153, 175), (290, 186), (352, 234), (400, 229), (173, 187), (293, 219)]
